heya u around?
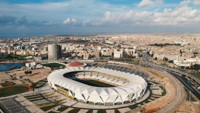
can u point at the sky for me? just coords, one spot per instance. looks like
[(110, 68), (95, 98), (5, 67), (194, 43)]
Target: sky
[(22, 18)]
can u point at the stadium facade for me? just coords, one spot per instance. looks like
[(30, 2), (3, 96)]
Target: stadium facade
[(127, 87)]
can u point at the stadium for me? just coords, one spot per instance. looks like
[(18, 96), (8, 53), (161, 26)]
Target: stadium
[(77, 82)]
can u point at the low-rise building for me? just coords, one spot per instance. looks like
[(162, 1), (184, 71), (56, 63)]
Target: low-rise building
[(118, 53)]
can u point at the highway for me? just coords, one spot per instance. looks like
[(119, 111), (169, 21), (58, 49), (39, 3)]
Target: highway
[(176, 74), (177, 100)]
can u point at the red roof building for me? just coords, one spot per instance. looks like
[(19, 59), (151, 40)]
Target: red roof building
[(76, 64)]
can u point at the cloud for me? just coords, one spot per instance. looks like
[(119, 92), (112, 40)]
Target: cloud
[(73, 20), (7, 19), (87, 15), (185, 2), (49, 6), (21, 28), (69, 21), (168, 17), (69, 8), (196, 2), (150, 3), (22, 21)]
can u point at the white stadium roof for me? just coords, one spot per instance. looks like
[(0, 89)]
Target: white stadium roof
[(128, 89)]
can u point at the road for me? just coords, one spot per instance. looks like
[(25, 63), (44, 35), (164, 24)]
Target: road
[(178, 99), (146, 60), (176, 74)]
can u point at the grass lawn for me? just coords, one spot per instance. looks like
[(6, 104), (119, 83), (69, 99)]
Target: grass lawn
[(133, 106), (48, 107), (95, 83), (101, 111), (54, 65), (89, 111), (117, 111), (164, 91), (40, 83), (32, 100), (75, 110), (32, 96), (62, 108), (197, 75), (52, 112), (12, 90), (189, 96)]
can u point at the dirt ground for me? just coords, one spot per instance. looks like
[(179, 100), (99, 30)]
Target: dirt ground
[(160, 62), (154, 106), (188, 107), (37, 74)]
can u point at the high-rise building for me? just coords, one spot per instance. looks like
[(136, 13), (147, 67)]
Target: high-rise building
[(54, 52)]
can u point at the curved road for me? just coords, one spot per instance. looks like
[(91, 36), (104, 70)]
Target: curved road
[(181, 95), (176, 74), (178, 99)]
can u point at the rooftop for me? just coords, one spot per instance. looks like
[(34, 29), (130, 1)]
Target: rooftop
[(76, 63)]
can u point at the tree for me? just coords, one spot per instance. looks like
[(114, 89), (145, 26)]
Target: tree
[(181, 52), (171, 61), (30, 72), (165, 59), (196, 67), (26, 72), (33, 85)]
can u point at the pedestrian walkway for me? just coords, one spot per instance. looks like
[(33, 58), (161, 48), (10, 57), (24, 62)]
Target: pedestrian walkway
[(110, 111), (124, 110)]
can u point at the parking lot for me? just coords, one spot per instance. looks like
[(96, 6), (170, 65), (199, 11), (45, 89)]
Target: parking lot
[(10, 105)]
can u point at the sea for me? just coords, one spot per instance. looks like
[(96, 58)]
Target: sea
[(10, 66)]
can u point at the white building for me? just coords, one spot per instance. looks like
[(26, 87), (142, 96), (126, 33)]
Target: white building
[(118, 53), (186, 62), (128, 87), (31, 64)]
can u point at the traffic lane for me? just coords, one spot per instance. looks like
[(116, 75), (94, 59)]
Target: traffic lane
[(187, 84)]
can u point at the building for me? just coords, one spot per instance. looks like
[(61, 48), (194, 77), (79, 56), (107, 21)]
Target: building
[(54, 52), (31, 64), (76, 64), (118, 53), (106, 52), (126, 88)]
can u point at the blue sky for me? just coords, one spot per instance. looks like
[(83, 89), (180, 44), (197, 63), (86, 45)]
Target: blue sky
[(20, 18)]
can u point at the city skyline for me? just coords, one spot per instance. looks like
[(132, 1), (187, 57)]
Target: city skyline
[(24, 18)]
